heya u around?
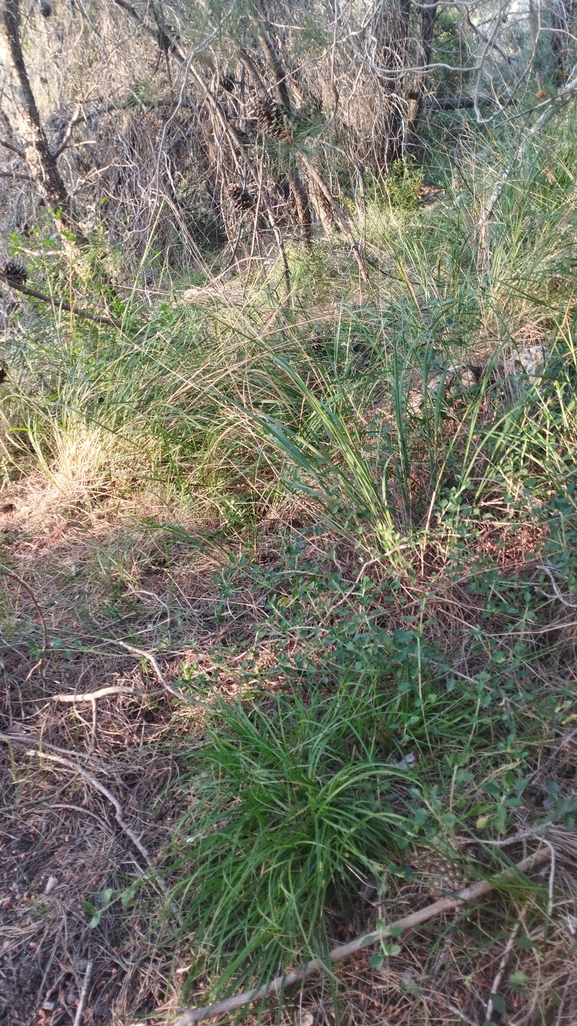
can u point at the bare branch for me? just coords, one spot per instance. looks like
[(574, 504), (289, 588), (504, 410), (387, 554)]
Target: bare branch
[(98, 786), (91, 696), (149, 656), (163, 40), (14, 149), (71, 307), (83, 993)]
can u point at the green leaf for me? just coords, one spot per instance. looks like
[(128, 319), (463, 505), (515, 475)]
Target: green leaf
[(127, 896), (105, 896), (518, 978), (499, 1004), (501, 820), (95, 919), (377, 960), (524, 942), (391, 949)]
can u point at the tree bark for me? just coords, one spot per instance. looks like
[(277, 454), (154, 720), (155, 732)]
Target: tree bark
[(298, 188), (24, 118), (428, 17), (560, 39), (392, 37)]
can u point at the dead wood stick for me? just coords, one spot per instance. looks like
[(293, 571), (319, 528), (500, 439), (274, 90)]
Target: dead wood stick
[(96, 784), (339, 216), (502, 966), (478, 890), (29, 739), (83, 994), (71, 307), (149, 656), (90, 696)]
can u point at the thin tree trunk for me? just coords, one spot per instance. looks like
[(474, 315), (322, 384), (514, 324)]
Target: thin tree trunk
[(339, 216), (428, 17), (392, 35), (24, 118), (560, 39), (298, 188)]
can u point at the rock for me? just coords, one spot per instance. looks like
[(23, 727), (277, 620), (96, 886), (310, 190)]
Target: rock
[(530, 360)]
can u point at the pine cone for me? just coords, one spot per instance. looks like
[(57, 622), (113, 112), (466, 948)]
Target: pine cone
[(228, 82), (270, 117), (241, 198), (441, 875), (15, 272)]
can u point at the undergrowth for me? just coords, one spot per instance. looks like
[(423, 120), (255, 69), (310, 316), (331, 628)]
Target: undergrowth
[(385, 498)]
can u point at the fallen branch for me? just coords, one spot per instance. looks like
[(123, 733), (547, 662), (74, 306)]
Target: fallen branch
[(478, 890), (462, 102), (103, 790), (503, 965), (13, 738), (91, 696), (71, 307), (149, 656), (549, 571)]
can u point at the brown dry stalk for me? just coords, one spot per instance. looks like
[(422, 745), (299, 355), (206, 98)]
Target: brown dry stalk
[(478, 890)]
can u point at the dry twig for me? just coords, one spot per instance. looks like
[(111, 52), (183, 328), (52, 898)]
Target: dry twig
[(154, 663), (103, 790), (558, 595), (84, 993), (70, 307), (29, 739), (91, 696), (502, 966)]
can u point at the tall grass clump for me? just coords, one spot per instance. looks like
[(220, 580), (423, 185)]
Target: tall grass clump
[(295, 804), (298, 799)]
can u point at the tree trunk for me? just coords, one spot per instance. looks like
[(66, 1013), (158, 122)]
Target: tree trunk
[(428, 17), (22, 114), (298, 188), (560, 39), (392, 38)]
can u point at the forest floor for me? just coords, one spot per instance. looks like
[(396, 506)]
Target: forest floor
[(87, 808), (287, 612)]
